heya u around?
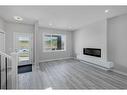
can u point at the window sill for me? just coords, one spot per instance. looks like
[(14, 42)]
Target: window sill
[(55, 51)]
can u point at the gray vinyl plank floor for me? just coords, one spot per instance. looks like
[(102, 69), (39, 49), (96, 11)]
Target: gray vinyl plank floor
[(70, 74)]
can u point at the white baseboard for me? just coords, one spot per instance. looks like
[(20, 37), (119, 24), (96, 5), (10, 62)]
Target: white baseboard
[(54, 59), (119, 72)]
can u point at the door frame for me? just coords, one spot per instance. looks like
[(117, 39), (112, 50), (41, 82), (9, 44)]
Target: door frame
[(31, 40)]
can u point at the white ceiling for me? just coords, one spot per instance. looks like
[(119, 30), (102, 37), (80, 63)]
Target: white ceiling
[(62, 17)]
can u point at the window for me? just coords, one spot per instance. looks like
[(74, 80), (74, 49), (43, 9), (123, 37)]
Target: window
[(54, 42)]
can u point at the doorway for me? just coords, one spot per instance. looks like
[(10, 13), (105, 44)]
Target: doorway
[(23, 45)]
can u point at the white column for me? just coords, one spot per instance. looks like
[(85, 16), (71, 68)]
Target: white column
[(36, 48)]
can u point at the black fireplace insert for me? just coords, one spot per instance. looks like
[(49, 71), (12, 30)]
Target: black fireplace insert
[(92, 52)]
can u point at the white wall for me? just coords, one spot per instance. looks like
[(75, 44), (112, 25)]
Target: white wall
[(117, 42), (10, 28), (92, 36), (2, 35), (54, 55), (2, 24), (42, 56)]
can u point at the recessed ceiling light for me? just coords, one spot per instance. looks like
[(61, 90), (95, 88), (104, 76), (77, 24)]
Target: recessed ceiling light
[(18, 18), (106, 11)]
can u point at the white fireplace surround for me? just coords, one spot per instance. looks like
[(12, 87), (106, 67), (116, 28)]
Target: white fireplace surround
[(95, 61)]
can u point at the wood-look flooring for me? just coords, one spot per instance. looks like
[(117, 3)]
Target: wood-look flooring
[(71, 74)]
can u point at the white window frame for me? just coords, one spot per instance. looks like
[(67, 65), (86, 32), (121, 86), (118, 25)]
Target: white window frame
[(51, 42)]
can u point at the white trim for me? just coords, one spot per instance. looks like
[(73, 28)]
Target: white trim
[(119, 72), (54, 59), (53, 50)]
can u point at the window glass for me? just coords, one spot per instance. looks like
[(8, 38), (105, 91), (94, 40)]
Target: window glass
[(54, 42)]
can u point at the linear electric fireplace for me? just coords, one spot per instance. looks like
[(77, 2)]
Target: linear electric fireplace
[(92, 52)]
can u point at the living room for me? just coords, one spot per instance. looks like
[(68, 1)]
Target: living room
[(64, 47)]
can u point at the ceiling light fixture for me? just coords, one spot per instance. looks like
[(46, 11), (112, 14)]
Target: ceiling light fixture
[(18, 18), (106, 11)]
